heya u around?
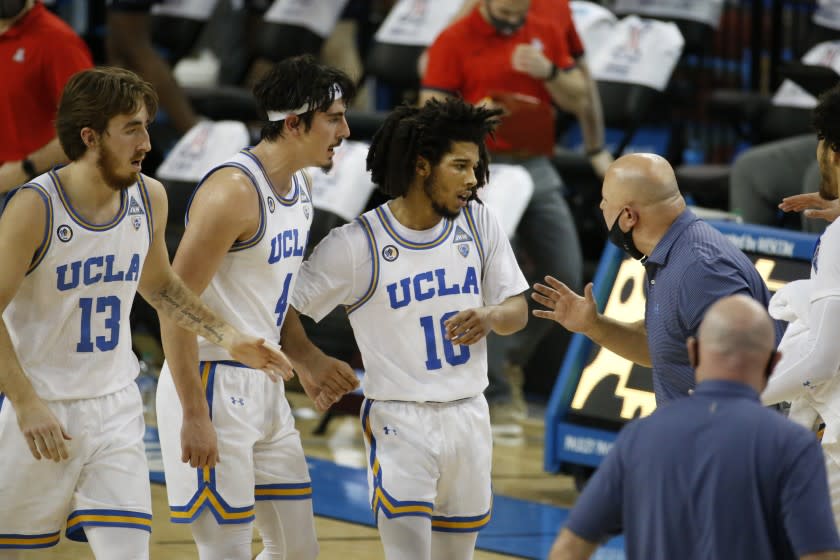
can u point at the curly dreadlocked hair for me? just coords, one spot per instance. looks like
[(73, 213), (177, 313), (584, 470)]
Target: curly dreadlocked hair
[(298, 81), (428, 131), (826, 118)]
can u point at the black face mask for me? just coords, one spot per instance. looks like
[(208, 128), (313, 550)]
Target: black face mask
[(503, 26), (624, 240), (11, 8)]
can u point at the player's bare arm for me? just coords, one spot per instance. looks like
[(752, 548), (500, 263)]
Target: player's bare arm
[(199, 445), (324, 378), (471, 325), (580, 314), (165, 291), (21, 233)]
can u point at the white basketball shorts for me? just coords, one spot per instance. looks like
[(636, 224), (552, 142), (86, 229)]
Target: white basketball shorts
[(105, 482), (430, 460), (261, 456)]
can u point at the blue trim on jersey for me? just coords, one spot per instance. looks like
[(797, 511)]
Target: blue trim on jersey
[(238, 245), (408, 244), (147, 202), (18, 541), (206, 496), (231, 363), (2, 398), (374, 269), (81, 518), (293, 491), (207, 370), (476, 236), (460, 524), (381, 500), (284, 201), (307, 183), (121, 213), (41, 251)]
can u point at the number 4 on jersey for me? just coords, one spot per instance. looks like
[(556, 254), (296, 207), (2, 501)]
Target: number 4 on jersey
[(283, 302)]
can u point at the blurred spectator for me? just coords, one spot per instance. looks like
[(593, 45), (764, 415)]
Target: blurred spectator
[(34, 74), (504, 47), (129, 45)]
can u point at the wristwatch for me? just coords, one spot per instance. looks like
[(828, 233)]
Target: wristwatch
[(29, 168)]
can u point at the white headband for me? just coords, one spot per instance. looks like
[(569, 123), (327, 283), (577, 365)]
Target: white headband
[(274, 116)]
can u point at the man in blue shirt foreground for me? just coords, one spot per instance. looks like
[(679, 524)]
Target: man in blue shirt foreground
[(689, 265), (714, 475)]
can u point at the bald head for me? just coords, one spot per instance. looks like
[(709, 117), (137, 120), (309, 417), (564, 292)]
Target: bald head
[(643, 179), (735, 339)]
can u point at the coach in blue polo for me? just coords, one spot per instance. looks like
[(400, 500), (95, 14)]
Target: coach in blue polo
[(688, 266), (715, 475)]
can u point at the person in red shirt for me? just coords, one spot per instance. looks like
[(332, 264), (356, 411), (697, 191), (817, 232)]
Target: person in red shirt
[(38, 54), (531, 48)]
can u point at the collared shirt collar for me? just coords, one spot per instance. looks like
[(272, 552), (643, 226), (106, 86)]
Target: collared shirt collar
[(720, 387), (660, 253)]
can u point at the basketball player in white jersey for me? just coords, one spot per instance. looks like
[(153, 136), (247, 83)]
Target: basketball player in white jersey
[(424, 278), (230, 449), (809, 372), (77, 244)]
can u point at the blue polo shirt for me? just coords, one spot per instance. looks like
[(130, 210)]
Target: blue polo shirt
[(714, 475), (691, 267)]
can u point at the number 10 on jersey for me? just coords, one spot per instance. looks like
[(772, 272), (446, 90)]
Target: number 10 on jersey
[(430, 332)]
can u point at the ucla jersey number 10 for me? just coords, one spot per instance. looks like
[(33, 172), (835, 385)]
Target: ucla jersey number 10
[(453, 356)]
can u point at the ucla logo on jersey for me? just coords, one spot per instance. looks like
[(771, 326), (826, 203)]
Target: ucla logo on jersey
[(270, 203), (102, 268), (64, 233), (427, 285), (134, 209), (287, 244), (390, 253)]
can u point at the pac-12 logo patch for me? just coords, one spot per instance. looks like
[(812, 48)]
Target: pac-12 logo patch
[(271, 205), (390, 253), (64, 233), (136, 221), (464, 249)]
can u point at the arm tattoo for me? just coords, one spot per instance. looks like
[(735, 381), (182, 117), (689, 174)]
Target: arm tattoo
[(186, 309)]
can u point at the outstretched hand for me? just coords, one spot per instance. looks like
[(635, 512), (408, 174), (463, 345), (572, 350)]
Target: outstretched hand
[(326, 381), (812, 205), (577, 314), (260, 354)]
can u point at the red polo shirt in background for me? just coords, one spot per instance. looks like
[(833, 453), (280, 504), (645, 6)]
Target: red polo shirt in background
[(37, 56), (472, 59)]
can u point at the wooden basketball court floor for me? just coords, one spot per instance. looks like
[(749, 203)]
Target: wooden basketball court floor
[(517, 473)]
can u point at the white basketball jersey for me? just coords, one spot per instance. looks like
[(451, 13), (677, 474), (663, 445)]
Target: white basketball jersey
[(252, 286), (69, 321), (399, 323)]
